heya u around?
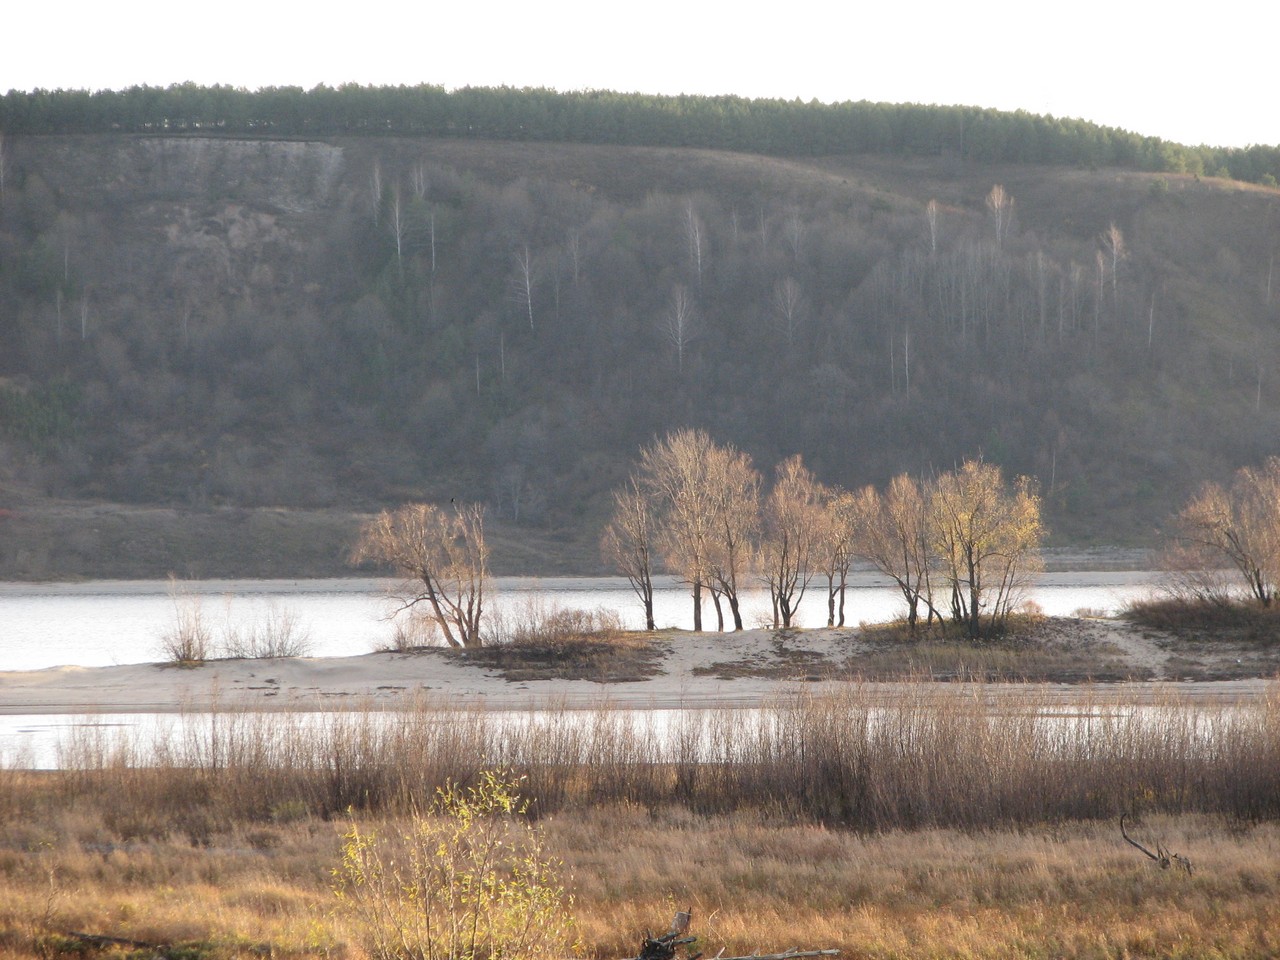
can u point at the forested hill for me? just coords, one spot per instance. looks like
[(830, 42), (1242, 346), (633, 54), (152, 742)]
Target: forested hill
[(759, 126), (341, 323)]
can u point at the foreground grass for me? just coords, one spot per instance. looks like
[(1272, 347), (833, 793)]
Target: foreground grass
[(1070, 890), (922, 821)]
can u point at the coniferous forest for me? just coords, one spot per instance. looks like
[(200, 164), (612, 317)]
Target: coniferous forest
[(337, 300)]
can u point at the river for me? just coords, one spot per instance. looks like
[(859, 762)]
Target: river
[(105, 623)]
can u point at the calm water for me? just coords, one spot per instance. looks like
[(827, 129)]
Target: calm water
[(105, 623)]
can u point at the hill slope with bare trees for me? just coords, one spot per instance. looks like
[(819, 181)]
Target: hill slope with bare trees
[(272, 335)]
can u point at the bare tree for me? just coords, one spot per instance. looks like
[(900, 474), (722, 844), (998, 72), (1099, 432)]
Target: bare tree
[(788, 307), (837, 549), (375, 191), (4, 166), (893, 534), (1001, 206), (734, 502), (1239, 525), (987, 538), (421, 182), (523, 282), (629, 542), (792, 529), (573, 246), (674, 472), (694, 239), (396, 225), (442, 556), (679, 323), (1113, 244), (931, 214)]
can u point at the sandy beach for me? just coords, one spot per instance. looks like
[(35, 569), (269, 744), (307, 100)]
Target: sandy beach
[(689, 669)]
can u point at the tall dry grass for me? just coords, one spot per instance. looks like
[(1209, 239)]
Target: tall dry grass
[(871, 759)]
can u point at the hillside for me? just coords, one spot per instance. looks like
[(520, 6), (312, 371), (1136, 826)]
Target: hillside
[(280, 334)]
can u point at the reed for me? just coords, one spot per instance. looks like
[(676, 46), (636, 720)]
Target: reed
[(870, 758)]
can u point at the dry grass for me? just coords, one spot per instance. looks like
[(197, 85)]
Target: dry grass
[(1069, 890), (909, 823)]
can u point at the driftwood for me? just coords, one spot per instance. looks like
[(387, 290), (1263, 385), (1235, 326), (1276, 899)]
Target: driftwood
[(1163, 857), (666, 946)]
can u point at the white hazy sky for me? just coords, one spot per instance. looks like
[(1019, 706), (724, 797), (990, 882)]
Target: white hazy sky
[(1188, 73)]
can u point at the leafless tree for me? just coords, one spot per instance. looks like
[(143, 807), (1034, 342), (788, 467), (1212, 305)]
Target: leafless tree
[(674, 472), (375, 191), (694, 239), (630, 542), (444, 559), (573, 246), (792, 525), (931, 214), (523, 281), (421, 182), (893, 533), (679, 323), (788, 307), (987, 538), (837, 549), (1001, 206), (396, 225), (1113, 245), (734, 502), (1239, 525)]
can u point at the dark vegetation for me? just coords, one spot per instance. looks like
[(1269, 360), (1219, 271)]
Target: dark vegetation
[(1218, 622), (772, 127), (224, 325)]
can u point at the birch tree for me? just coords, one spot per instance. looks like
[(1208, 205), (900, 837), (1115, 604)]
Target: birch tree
[(679, 322), (694, 239), (788, 307), (522, 284), (1000, 204)]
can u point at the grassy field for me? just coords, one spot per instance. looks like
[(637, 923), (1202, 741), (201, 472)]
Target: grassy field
[(920, 824)]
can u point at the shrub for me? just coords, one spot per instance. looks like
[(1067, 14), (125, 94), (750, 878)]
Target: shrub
[(278, 634), (190, 639), (467, 881)]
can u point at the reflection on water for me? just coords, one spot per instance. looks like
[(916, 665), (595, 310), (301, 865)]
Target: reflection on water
[(105, 623)]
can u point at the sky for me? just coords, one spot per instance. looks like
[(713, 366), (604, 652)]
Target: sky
[(1188, 74)]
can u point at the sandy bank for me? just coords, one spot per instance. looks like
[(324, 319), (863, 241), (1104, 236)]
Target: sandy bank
[(693, 670)]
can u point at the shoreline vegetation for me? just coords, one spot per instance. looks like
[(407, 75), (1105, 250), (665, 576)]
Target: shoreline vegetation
[(916, 818), (918, 823)]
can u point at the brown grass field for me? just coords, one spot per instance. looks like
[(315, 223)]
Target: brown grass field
[(927, 823)]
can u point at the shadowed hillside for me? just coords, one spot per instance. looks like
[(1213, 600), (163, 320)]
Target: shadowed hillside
[(214, 325)]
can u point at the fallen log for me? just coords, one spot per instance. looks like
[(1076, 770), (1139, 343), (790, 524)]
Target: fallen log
[(666, 946)]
